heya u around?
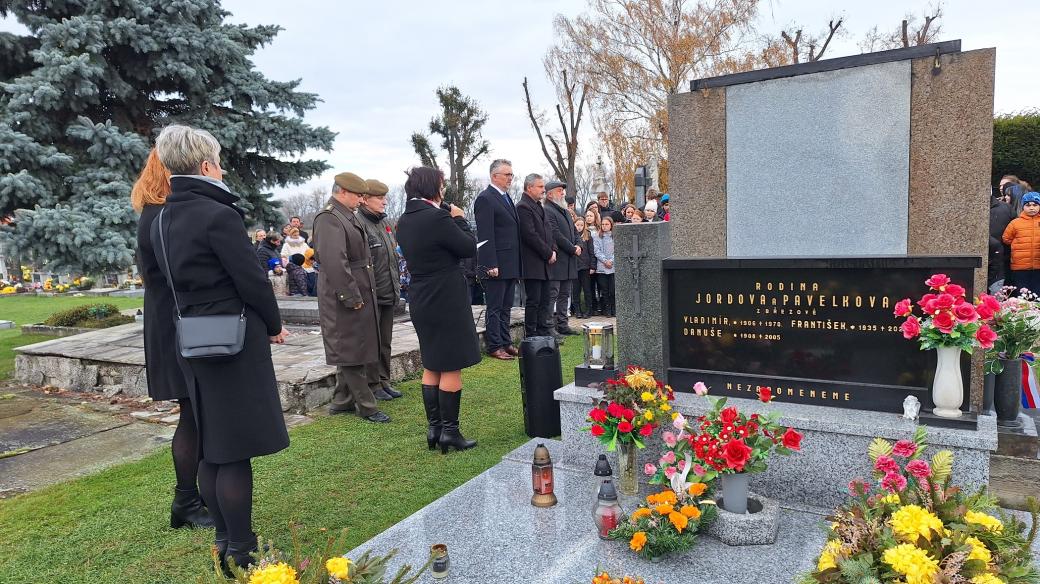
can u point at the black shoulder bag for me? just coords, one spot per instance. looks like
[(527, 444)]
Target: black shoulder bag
[(204, 337)]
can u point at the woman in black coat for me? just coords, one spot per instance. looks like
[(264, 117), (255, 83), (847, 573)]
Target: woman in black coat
[(433, 239), (215, 271), (165, 378)]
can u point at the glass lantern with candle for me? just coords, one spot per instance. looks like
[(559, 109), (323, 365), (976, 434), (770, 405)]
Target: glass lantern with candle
[(601, 472), (542, 478), (599, 345), (607, 513)]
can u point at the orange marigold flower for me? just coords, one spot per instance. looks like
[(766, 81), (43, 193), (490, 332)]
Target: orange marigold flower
[(652, 499), (678, 520), (638, 541), (690, 511), (697, 489), (667, 497), (639, 514), (664, 509)]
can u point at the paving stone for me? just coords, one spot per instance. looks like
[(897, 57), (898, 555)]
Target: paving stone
[(146, 415)]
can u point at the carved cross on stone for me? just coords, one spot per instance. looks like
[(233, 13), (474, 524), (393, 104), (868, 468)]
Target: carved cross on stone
[(634, 256)]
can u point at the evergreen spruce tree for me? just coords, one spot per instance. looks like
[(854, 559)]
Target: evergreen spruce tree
[(83, 96)]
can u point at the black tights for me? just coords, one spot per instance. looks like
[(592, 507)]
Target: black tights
[(227, 490), (186, 448)]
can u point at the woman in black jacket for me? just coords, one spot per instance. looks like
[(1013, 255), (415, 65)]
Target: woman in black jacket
[(165, 378), (214, 271), (434, 238)]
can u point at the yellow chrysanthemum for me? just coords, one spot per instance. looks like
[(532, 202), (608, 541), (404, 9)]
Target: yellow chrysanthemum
[(911, 521), (675, 415), (979, 551), (691, 511), (912, 562), (638, 541), (890, 499), (279, 573), (989, 522), (647, 396), (664, 509), (665, 407), (679, 521), (986, 579), (639, 514), (641, 379), (829, 556), (338, 568)]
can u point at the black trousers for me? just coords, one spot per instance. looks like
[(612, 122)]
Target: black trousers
[(1028, 279), (559, 300), (605, 283), (499, 295), (536, 308), (582, 287)]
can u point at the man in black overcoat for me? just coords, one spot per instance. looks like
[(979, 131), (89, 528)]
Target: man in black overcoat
[(498, 258), (565, 270), (537, 254)]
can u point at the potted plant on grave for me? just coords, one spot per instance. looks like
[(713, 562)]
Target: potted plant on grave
[(666, 522), (911, 524), (950, 325), (633, 405), (1016, 321), (724, 443)]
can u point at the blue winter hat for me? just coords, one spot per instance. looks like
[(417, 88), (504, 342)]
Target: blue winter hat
[(665, 198), (1031, 197), (273, 262)]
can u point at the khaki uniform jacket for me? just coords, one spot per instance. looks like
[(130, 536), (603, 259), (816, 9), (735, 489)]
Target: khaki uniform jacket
[(382, 245), (345, 279)]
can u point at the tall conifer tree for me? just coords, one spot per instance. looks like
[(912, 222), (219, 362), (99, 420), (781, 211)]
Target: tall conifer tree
[(84, 94)]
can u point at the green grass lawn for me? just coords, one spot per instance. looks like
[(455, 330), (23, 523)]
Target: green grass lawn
[(338, 472), (25, 309)]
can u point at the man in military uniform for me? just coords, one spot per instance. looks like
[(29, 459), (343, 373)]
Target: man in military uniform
[(346, 298), (382, 246)]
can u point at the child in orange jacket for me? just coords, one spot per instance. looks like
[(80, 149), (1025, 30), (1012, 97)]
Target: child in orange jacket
[(1023, 235)]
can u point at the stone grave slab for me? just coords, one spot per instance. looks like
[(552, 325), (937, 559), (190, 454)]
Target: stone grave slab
[(494, 534), (112, 360), (29, 424)]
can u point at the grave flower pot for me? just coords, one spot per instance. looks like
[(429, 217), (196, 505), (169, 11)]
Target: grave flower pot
[(1007, 393), (628, 482), (948, 386), (735, 492)]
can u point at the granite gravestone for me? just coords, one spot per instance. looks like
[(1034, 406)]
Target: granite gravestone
[(639, 249), (812, 331), (880, 153)]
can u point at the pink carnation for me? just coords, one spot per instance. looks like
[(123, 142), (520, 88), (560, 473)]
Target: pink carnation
[(893, 482), (670, 472), (919, 468), (904, 448), (649, 470), (700, 389), (886, 464), (698, 470), (669, 439), (668, 458)]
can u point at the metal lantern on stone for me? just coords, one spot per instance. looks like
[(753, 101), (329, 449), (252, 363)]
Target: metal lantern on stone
[(599, 345)]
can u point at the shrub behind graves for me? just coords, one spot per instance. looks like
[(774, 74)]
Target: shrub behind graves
[(89, 316)]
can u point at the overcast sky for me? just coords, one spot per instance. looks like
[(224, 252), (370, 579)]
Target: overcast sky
[(376, 64)]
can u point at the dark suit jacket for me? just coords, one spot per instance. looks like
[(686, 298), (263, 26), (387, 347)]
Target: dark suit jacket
[(498, 224), (536, 239), (566, 237)]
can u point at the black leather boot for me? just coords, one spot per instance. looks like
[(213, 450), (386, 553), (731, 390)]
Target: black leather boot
[(221, 543), (433, 415), (451, 437), (188, 510), (241, 552)]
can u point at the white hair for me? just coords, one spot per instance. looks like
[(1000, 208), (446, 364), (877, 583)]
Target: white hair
[(182, 149)]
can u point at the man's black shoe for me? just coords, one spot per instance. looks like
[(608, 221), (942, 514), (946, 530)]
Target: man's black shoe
[(392, 392), (382, 395), (378, 417)]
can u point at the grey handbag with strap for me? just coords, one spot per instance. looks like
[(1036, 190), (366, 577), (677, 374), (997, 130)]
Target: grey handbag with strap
[(204, 337)]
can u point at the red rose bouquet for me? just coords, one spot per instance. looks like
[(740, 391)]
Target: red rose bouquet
[(634, 405), (724, 440), (949, 320)]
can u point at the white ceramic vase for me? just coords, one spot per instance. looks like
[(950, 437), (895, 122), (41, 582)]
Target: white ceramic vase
[(948, 386)]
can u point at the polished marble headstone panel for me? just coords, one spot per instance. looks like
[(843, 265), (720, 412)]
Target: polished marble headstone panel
[(819, 164)]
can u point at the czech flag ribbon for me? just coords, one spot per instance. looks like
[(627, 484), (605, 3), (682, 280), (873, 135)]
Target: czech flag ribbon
[(1030, 388)]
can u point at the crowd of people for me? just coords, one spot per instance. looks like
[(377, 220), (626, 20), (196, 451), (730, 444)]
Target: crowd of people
[(211, 310), (1014, 236)]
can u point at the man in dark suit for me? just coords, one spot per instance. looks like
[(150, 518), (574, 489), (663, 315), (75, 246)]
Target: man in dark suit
[(537, 254), (565, 270), (498, 258)]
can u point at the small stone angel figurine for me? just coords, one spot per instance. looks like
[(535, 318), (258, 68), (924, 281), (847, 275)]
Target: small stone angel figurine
[(911, 407)]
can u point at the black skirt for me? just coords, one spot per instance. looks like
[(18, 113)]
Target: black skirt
[(443, 319)]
